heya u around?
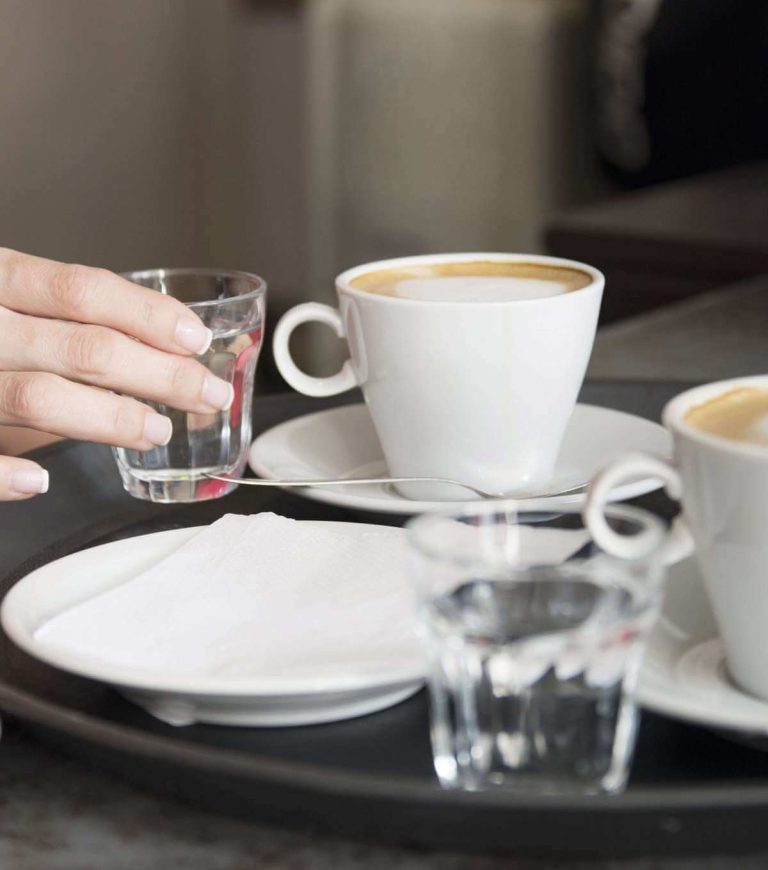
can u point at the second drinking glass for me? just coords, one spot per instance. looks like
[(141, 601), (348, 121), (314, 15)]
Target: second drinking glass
[(534, 636)]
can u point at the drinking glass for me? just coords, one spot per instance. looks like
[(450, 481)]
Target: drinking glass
[(534, 636), (232, 305)]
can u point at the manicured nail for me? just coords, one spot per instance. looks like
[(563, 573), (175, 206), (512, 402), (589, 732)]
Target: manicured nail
[(192, 335), (217, 393), (158, 429), (30, 481)]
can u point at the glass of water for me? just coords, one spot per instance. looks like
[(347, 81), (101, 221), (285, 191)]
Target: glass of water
[(534, 636), (232, 305)]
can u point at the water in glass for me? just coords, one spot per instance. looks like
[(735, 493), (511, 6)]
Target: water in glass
[(529, 681), (202, 442)]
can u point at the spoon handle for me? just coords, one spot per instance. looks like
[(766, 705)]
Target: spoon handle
[(258, 481)]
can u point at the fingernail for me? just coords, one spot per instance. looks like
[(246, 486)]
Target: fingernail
[(192, 335), (217, 393), (33, 480), (158, 429)]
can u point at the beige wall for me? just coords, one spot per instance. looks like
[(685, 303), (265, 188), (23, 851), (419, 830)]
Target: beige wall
[(288, 137), (148, 133), (249, 65), (96, 160)]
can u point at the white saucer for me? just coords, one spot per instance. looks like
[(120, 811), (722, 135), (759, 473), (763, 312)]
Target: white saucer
[(265, 701), (684, 673), (342, 442)]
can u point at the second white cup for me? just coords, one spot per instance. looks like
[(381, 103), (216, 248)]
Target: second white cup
[(723, 486)]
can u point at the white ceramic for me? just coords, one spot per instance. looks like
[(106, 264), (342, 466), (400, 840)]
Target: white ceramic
[(684, 673), (267, 701), (342, 442), (723, 485), (474, 391)]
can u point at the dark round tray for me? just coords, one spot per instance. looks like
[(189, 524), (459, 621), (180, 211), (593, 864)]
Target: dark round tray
[(691, 790)]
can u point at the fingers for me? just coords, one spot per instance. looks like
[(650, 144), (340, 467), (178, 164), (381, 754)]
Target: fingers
[(32, 285), (53, 404), (109, 359), (21, 478)]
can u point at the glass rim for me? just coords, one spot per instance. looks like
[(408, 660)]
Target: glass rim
[(258, 290), (417, 527)]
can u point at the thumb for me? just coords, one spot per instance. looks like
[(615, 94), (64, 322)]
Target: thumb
[(21, 478)]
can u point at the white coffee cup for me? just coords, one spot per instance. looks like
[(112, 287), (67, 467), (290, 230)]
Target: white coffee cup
[(723, 486), (476, 391)]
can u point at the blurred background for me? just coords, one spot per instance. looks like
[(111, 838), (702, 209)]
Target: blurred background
[(296, 138)]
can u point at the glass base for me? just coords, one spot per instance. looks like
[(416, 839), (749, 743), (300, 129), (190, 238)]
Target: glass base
[(542, 785), (176, 489)]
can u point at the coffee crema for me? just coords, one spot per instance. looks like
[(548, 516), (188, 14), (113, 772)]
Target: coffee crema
[(472, 281), (740, 414)]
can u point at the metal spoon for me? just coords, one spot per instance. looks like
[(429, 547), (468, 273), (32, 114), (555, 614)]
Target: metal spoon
[(258, 481)]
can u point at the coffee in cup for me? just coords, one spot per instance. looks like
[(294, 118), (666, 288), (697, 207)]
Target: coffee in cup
[(720, 475), (472, 281), (470, 364), (740, 413)]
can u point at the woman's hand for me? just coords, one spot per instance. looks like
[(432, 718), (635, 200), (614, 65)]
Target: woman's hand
[(71, 334)]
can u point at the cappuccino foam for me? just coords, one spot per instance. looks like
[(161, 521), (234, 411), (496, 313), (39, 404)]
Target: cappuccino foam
[(740, 414), (473, 281)]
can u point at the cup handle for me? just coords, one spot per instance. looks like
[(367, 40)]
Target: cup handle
[(343, 380), (678, 544)]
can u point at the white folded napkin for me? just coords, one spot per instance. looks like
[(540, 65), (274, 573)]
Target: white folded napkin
[(252, 597)]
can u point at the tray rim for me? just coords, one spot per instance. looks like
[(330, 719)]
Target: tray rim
[(132, 740), (39, 711), (678, 818), (27, 707)]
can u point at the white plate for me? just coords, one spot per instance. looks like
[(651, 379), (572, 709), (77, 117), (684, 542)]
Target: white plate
[(342, 442), (181, 701), (684, 672)]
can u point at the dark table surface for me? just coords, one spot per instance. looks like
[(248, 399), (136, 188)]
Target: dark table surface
[(60, 814), (709, 337), (672, 240)]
